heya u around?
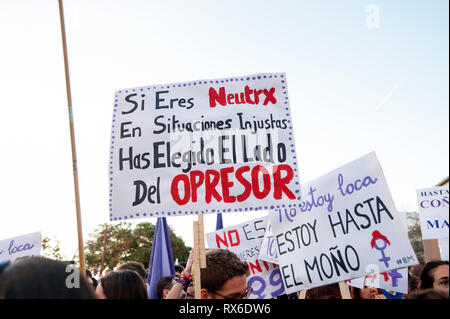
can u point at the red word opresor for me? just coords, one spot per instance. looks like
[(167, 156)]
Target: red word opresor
[(210, 179)]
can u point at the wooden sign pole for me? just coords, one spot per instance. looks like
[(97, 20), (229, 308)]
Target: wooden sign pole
[(345, 290), (103, 251), (72, 140), (199, 255), (302, 294), (431, 250), (201, 233), (196, 264)]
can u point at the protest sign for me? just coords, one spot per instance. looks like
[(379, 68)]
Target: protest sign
[(394, 280), (20, 246), (245, 241), (433, 212), (268, 251), (357, 282), (345, 222), (204, 146)]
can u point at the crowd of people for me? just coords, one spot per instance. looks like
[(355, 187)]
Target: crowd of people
[(225, 277)]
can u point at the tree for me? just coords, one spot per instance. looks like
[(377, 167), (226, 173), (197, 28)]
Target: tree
[(124, 243), (415, 234), (51, 248)]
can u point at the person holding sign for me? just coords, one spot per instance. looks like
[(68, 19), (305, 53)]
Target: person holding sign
[(224, 276), (183, 282)]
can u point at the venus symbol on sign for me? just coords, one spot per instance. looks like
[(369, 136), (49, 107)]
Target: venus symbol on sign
[(378, 237)]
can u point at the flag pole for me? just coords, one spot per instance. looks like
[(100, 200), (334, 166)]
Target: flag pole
[(72, 139)]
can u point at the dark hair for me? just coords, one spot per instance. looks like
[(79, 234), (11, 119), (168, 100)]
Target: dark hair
[(92, 279), (135, 266), (324, 292), (356, 292), (429, 294), (413, 283), (124, 284), (163, 283), (43, 278), (414, 277), (221, 266), (179, 268), (3, 265), (426, 278)]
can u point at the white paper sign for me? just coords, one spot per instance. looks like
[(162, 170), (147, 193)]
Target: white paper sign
[(346, 221), (394, 280), (433, 212), (357, 282), (21, 246), (269, 251), (204, 146), (245, 241)]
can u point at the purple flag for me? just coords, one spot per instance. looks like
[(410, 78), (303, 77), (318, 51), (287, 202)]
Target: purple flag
[(219, 223), (161, 258)]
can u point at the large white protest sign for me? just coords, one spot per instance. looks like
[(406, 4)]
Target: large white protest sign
[(203, 146), (433, 212), (345, 222), (20, 246), (245, 241)]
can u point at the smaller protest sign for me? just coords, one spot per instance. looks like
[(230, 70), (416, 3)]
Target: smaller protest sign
[(394, 280), (245, 241), (20, 246), (433, 212), (357, 282), (269, 250)]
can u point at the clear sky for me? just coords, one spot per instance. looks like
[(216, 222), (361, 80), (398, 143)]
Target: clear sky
[(362, 76)]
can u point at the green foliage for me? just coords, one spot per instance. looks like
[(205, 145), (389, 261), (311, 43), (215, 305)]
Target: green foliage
[(415, 235), (124, 243), (51, 248)]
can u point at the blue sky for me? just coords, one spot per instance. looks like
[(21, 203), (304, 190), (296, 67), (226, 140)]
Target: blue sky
[(353, 90)]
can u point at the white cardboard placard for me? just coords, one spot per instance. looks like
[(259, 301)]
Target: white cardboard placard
[(245, 241), (20, 246), (345, 225), (433, 206), (205, 146)]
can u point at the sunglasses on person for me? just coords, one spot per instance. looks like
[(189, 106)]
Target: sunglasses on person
[(247, 293)]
